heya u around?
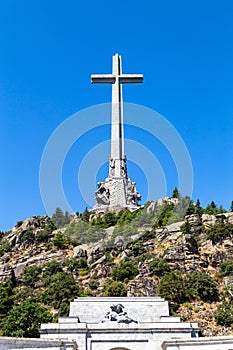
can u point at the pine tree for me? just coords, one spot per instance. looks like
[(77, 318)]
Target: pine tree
[(199, 209), (86, 215), (60, 219), (213, 205), (186, 228), (175, 193), (231, 208)]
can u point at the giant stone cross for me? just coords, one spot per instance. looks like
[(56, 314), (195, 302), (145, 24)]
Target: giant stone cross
[(117, 191)]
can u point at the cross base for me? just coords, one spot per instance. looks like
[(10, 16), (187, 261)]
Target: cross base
[(117, 193)]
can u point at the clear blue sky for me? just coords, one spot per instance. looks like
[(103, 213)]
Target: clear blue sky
[(48, 51)]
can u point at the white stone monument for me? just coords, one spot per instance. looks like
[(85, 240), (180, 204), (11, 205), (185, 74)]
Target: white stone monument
[(130, 323), (117, 191)]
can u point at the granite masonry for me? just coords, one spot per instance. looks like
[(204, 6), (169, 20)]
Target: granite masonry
[(101, 323), (117, 191), (129, 323)]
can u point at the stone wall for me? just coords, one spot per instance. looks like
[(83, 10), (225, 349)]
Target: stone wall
[(207, 343), (31, 343)]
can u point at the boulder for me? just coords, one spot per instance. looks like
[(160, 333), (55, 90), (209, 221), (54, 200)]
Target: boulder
[(6, 273), (142, 285), (79, 252), (217, 258), (208, 220), (96, 253), (191, 246), (103, 271), (119, 243), (193, 219)]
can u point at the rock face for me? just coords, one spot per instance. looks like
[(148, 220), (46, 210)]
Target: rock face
[(203, 313), (33, 224), (184, 252)]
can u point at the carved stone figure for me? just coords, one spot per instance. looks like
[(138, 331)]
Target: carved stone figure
[(111, 166), (118, 314), (123, 167), (102, 194), (132, 196)]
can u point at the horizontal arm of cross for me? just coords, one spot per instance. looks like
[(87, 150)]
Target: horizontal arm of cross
[(103, 79), (130, 78), (110, 78)]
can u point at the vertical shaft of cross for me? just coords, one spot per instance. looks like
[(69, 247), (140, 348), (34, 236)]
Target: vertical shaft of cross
[(117, 132), (117, 161), (117, 191)]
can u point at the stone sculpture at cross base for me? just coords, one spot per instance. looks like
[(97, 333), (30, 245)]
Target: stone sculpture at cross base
[(117, 191)]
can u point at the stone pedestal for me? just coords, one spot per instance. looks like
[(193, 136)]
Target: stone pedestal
[(116, 193)]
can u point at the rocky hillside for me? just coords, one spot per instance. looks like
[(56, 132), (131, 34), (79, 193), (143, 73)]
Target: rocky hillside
[(50, 261)]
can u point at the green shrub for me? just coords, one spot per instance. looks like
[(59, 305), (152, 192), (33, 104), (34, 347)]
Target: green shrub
[(126, 231), (83, 271), (158, 267), (200, 286), (84, 232), (125, 217), (51, 268), (74, 264), (22, 294), (4, 247), (24, 320), (125, 270), (60, 288), (148, 235), (171, 287), (93, 284), (60, 241), (115, 289), (226, 268), (186, 228), (108, 259), (144, 257), (220, 231), (136, 248), (28, 237), (212, 209), (224, 314), (191, 208), (175, 193), (107, 220), (6, 298), (85, 215), (64, 309), (30, 275), (43, 235), (86, 293), (163, 215)]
